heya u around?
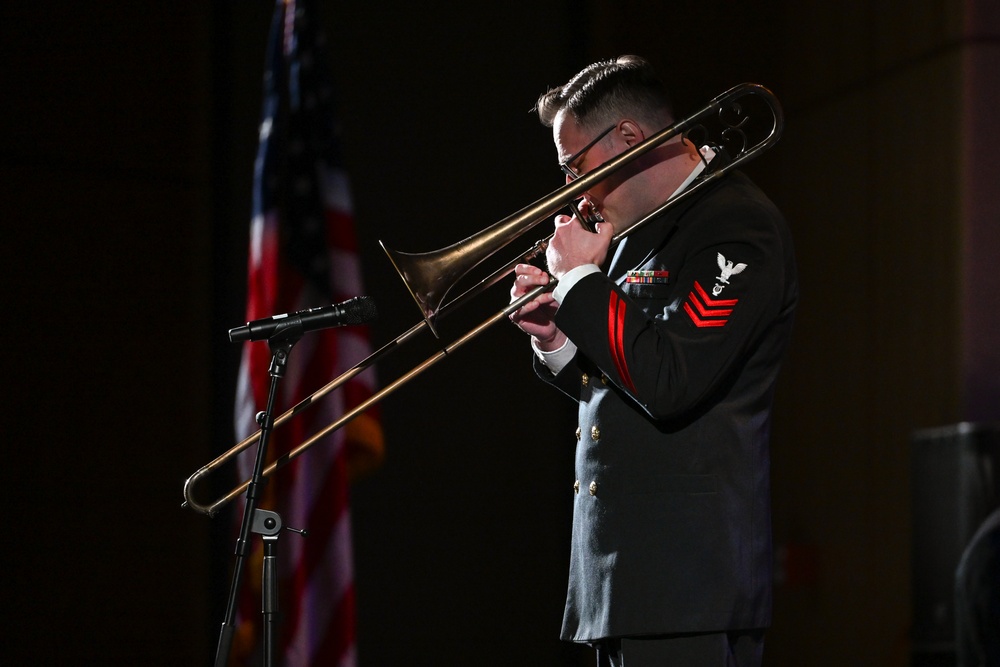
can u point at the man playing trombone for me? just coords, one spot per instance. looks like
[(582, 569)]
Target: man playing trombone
[(671, 346)]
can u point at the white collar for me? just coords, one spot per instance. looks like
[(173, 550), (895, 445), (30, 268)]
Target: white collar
[(707, 155)]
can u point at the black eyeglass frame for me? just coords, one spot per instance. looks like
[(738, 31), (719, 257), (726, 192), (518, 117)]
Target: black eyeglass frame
[(565, 165)]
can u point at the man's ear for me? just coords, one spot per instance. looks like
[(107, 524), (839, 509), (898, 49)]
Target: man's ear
[(630, 132)]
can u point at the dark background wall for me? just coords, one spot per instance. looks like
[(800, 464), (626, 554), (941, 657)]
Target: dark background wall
[(129, 131)]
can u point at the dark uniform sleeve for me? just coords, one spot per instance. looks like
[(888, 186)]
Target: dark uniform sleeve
[(727, 289), (566, 380)]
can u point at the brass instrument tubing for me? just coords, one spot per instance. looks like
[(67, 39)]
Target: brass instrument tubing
[(512, 227)]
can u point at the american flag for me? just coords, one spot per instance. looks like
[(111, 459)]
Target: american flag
[(303, 254)]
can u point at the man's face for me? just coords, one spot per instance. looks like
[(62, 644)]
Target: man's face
[(576, 151)]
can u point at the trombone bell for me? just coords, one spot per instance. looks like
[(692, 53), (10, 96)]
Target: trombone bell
[(429, 276)]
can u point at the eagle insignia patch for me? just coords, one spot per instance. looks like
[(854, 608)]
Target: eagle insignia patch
[(727, 270)]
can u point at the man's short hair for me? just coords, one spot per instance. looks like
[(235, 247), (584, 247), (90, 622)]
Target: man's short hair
[(608, 90)]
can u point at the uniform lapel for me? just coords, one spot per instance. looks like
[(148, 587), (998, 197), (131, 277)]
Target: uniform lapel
[(638, 247)]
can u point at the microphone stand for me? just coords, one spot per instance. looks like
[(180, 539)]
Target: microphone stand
[(266, 523)]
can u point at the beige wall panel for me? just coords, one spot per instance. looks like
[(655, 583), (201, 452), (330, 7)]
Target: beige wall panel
[(823, 49), (904, 30), (869, 187), (980, 176), (821, 432)]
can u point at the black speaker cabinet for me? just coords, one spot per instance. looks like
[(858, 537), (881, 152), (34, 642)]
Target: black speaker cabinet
[(955, 485)]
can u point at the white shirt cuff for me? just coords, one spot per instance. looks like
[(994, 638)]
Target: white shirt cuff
[(556, 360), (572, 277)]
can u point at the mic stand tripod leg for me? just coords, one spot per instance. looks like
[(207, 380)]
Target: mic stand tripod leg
[(268, 525), (269, 593)]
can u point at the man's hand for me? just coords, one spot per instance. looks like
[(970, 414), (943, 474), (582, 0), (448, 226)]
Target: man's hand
[(536, 318), (572, 245)]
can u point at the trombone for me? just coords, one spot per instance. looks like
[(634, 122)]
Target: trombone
[(729, 123)]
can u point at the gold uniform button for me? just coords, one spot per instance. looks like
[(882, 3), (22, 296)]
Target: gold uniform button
[(576, 486), (578, 432), (604, 379), (595, 433), (593, 488), (585, 379)]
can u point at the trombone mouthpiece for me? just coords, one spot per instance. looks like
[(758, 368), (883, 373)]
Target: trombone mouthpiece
[(586, 214)]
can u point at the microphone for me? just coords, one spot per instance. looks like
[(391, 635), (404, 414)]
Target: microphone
[(358, 310)]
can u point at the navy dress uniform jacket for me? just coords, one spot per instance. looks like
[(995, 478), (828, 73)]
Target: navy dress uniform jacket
[(679, 346)]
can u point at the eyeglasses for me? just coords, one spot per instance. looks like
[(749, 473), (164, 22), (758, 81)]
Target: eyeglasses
[(565, 165)]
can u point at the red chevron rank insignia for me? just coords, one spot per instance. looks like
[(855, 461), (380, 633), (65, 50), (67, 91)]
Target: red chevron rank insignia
[(705, 311)]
